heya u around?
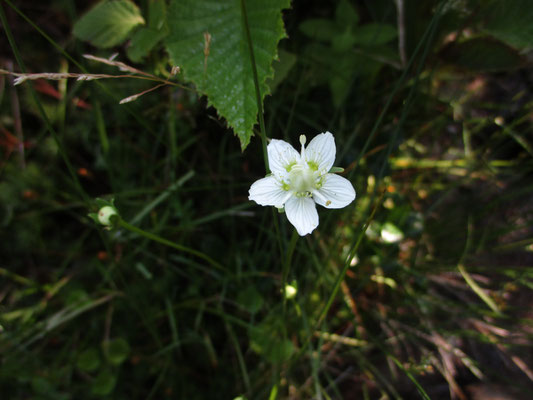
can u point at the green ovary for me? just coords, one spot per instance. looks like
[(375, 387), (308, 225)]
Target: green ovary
[(302, 179)]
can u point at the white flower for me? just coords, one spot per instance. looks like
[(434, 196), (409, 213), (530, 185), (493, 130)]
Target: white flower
[(299, 180)]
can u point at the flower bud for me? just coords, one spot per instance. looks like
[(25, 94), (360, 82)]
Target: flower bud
[(290, 291), (105, 213)]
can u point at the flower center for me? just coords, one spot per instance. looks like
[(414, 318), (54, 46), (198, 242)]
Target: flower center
[(302, 179)]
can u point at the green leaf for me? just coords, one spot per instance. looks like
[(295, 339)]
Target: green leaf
[(268, 338), (344, 41), (374, 34), (346, 14), (483, 54), (89, 360), (511, 21), (41, 386), (146, 38), (104, 383), (250, 299), (208, 41), (116, 350), (321, 29), (273, 348), (108, 23), (282, 68)]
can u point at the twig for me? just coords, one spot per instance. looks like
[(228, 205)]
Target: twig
[(401, 31), (15, 109)]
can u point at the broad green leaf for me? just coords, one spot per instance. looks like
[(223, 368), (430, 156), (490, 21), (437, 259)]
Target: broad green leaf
[(510, 21), (146, 38), (374, 34), (208, 41), (116, 350), (483, 54), (108, 23), (321, 29)]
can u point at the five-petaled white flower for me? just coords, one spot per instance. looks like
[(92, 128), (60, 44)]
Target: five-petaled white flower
[(298, 181)]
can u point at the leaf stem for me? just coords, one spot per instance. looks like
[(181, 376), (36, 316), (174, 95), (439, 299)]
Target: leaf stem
[(256, 83)]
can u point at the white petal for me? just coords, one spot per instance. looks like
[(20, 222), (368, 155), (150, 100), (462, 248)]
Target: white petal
[(301, 212), (321, 150), (336, 192), (281, 155), (268, 192)]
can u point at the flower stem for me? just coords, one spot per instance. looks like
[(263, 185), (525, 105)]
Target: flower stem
[(287, 266), (256, 83), (168, 243)]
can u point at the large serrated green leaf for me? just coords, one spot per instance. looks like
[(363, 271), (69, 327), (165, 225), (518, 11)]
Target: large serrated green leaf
[(220, 66), (108, 23)]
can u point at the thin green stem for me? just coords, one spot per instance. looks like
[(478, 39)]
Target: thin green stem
[(351, 254), (256, 82), (287, 266), (468, 278), (168, 243), (258, 98)]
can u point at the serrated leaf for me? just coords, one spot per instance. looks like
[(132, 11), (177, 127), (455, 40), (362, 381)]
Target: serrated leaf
[(208, 41), (108, 23), (510, 21), (374, 34), (145, 39)]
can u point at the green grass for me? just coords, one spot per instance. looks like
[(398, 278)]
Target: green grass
[(419, 289)]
